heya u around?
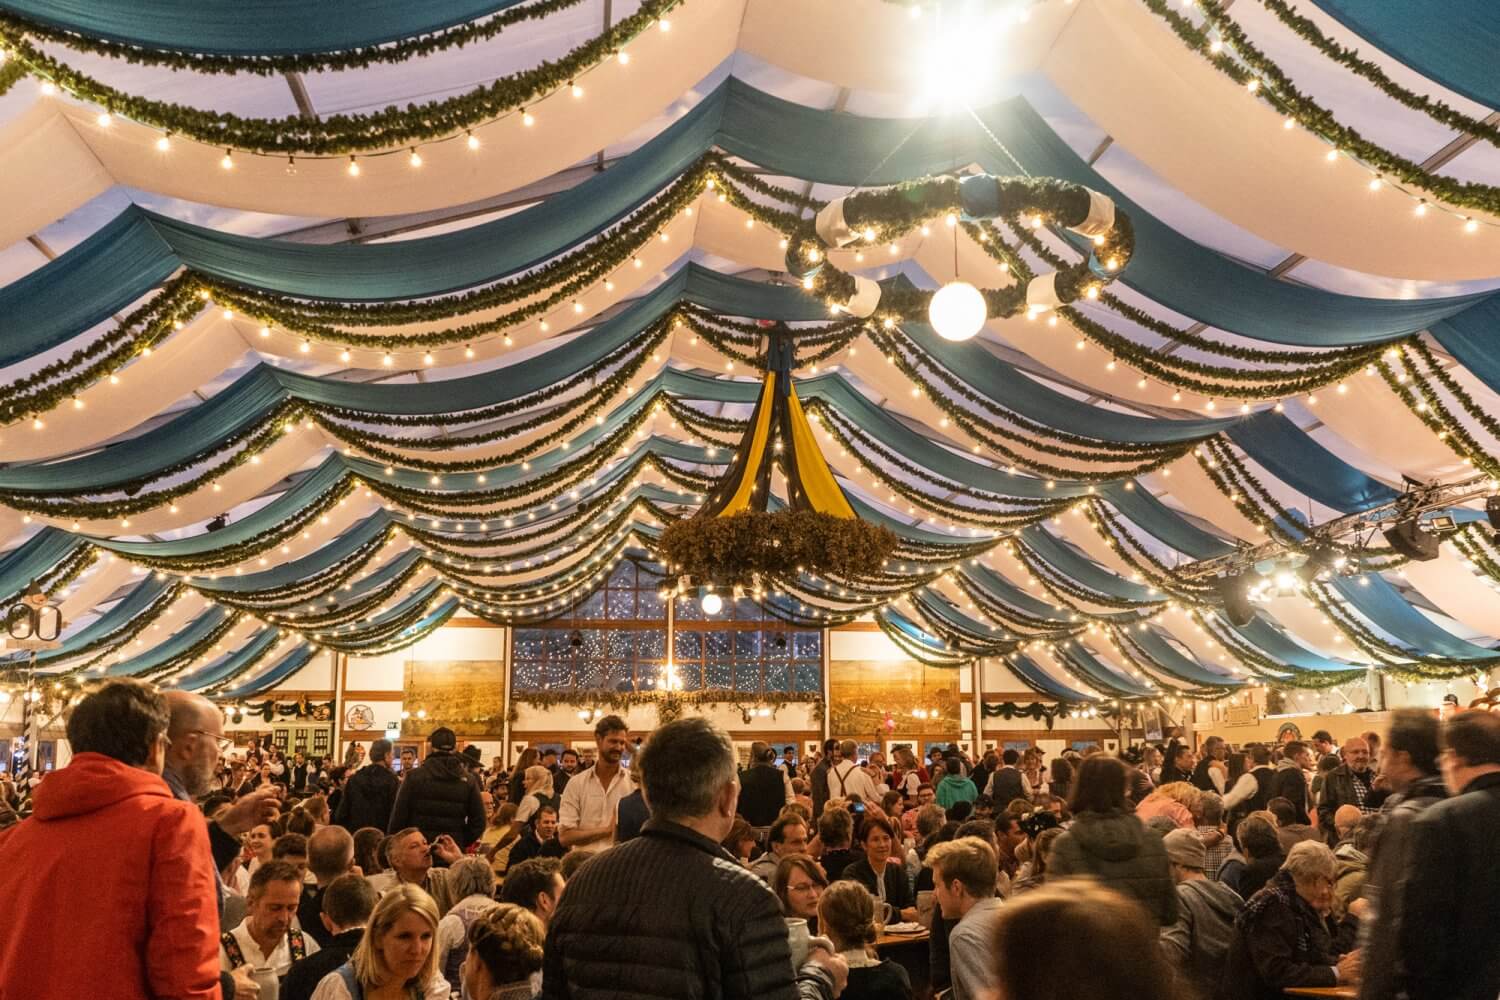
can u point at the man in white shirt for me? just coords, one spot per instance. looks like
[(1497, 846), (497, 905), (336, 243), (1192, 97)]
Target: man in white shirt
[(963, 884), (265, 940), (848, 778), (591, 801)]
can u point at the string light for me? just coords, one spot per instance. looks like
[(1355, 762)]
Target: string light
[(472, 140), (415, 160), (163, 143), (227, 162), (527, 119), (353, 167)]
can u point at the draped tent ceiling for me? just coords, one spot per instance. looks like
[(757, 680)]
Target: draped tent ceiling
[(258, 403)]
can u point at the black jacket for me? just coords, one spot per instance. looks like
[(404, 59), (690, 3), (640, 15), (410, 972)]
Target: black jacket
[(305, 974), (1123, 854), (631, 816), (1338, 790), (1448, 947), (762, 794), (897, 889), (1385, 883), (886, 981), (819, 782), (309, 915), (1005, 786), (369, 795), (527, 847), (440, 797), (1289, 783), (672, 915), (1279, 941)]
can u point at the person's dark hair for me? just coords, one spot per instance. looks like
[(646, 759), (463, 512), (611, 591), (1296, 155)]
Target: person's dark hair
[(349, 900), (1062, 771), (1257, 838), (684, 767), (1260, 755), (380, 750), (1293, 748), (1283, 810), (1236, 762), (777, 833), (783, 875), (571, 862), (508, 939), (960, 811), (1324, 735), (1035, 952), (1038, 823), (121, 719), (544, 807), (738, 834), (566, 751), (836, 827), (1473, 737), (1100, 786), (830, 745), (873, 822), (1414, 731), (609, 724), (528, 880), (1005, 821), (272, 871), (300, 822), (214, 802), (1180, 749), (981, 828), (890, 800), (1010, 757), (368, 841), (1328, 762), (846, 913), (289, 845)]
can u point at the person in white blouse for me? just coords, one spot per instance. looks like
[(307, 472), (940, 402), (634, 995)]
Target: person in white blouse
[(397, 957), (538, 789), (848, 778)]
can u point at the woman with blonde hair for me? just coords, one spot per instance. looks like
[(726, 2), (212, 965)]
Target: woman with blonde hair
[(514, 791), (397, 957), (1179, 801), (505, 954), (537, 793), (846, 915)]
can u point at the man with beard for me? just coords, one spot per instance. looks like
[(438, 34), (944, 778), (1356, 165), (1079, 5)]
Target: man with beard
[(591, 802)]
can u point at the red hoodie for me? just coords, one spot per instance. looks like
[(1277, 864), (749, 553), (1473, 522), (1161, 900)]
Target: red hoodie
[(108, 890)]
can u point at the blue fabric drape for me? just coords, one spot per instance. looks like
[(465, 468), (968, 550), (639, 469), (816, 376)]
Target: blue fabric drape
[(1163, 523), (69, 294), (32, 558), (1078, 567), (224, 666), (116, 619), (1039, 680), (1100, 675), (1296, 459), (1385, 608), (1450, 41), (1275, 643), (263, 28), (280, 671), (180, 642), (1171, 660)]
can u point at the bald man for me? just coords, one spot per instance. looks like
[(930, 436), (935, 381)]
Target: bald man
[(1349, 784), (196, 732), (1345, 819)]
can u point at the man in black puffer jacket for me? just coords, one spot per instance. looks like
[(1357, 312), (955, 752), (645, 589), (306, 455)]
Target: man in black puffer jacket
[(440, 796), (671, 914), (370, 792)]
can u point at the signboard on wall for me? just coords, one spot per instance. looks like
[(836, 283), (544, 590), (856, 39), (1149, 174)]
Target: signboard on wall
[(467, 696)]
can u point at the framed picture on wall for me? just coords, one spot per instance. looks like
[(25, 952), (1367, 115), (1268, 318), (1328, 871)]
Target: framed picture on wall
[(1019, 746)]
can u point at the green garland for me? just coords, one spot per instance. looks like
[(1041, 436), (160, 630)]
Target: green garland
[(886, 214), (359, 57), (1275, 88), (734, 550), (390, 129), (669, 704)]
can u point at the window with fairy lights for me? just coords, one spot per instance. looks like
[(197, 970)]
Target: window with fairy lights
[(616, 640)]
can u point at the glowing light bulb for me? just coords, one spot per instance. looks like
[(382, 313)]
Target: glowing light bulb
[(711, 603), (472, 141), (163, 144), (227, 162), (415, 159), (957, 311), (353, 167), (105, 119)]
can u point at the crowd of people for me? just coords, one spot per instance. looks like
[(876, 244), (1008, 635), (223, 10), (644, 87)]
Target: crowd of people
[(162, 862)]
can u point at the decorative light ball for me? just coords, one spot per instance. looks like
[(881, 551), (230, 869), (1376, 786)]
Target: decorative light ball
[(957, 311), (711, 603)]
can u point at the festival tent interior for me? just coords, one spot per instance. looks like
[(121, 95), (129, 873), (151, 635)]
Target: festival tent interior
[(924, 371)]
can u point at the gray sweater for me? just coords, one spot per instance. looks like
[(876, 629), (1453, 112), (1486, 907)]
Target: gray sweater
[(1197, 944)]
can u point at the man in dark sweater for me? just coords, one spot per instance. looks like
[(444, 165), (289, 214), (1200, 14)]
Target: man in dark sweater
[(347, 904), (671, 914), (764, 787), (539, 838), (439, 797), (369, 793)]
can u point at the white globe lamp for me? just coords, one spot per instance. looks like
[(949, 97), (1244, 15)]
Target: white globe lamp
[(957, 311), (712, 603)]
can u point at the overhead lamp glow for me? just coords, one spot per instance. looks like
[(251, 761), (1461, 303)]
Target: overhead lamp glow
[(711, 603), (957, 311)]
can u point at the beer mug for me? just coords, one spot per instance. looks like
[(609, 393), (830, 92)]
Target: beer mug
[(883, 913), (799, 939), (265, 978)]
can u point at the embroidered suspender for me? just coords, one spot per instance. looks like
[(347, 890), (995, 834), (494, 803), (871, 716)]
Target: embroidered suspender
[(232, 949)]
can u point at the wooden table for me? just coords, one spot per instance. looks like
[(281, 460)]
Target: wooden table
[(885, 940), (1321, 991)]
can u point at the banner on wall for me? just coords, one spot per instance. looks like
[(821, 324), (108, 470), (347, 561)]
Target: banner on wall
[(878, 698), (467, 696)]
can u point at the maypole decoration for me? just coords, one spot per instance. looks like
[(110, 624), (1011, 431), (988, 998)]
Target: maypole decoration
[(736, 543)]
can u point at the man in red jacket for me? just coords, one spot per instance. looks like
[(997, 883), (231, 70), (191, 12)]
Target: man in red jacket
[(109, 884)]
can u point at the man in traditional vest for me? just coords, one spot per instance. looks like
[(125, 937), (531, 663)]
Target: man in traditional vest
[(265, 939)]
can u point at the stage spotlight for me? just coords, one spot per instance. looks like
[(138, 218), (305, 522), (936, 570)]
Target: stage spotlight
[(1411, 540), (1322, 562), (1236, 600)]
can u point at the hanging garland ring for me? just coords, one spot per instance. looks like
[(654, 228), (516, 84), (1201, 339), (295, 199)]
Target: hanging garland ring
[(744, 549), (958, 310)]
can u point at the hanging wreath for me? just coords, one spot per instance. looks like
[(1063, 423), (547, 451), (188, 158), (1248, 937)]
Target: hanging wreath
[(741, 550), (958, 310)]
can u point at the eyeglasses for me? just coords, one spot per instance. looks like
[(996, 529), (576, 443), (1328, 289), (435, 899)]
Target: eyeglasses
[(223, 742)]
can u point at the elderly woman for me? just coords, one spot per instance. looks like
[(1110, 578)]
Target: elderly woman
[(472, 881), (1286, 937), (395, 959), (505, 954)]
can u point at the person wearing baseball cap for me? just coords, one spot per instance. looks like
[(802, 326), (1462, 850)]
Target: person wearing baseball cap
[(1198, 943), (440, 798)]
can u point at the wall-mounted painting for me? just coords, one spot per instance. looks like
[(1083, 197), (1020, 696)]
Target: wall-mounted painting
[(879, 699), (467, 696)]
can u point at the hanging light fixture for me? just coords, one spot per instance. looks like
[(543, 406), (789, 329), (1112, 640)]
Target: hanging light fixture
[(711, 603), (957, 311)]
